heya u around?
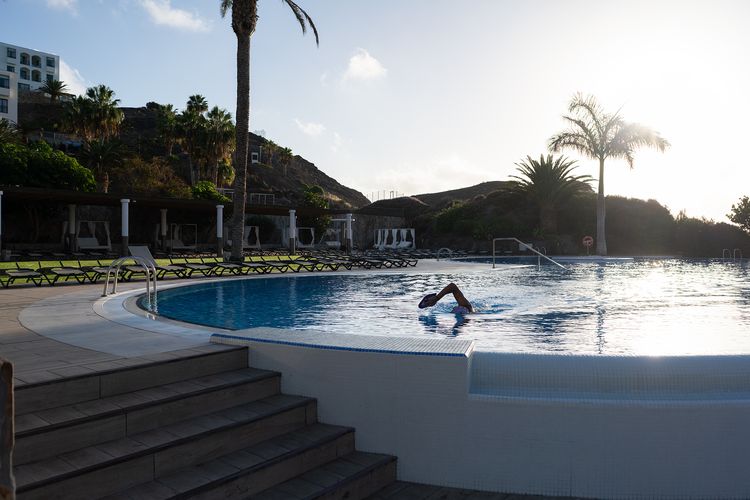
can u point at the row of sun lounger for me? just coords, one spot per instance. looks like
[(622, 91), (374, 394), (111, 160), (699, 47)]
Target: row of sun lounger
[(94, 270)]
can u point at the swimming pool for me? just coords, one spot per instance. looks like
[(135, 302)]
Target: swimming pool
[(638, 307)]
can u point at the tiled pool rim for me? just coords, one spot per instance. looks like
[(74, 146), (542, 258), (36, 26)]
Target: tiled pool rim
[(544, 424)]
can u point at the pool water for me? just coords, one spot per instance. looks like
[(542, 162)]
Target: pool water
[(639, 307)]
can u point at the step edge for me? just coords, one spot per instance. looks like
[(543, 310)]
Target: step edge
[(155, 449), (340, 433), (149, 364), (139, 406), (383, 461)]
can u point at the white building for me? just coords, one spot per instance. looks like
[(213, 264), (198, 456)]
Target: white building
[(8, 96), (31, 67)]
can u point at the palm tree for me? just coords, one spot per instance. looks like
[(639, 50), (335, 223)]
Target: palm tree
[(244, 20), (54, 88), (166, 124), (99, 155), (219, 139), (192, 124), (106, 116), (78, 114), (600, 135), (549, 182)]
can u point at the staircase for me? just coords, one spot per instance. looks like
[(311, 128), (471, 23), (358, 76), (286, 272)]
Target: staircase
[(204, 426)]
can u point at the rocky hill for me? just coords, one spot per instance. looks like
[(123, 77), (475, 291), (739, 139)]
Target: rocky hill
[(139, 134)]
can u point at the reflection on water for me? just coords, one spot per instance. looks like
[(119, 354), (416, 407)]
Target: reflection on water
[(665, 306)]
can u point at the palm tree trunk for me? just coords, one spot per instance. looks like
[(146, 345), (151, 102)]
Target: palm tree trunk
[(240, 162), (601, 213)]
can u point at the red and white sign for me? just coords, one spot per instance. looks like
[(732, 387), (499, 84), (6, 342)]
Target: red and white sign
[(588, 241)]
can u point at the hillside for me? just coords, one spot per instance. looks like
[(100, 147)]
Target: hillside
[(138, 133)]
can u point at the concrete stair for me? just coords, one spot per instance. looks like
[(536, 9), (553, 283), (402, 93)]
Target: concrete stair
[(203, 426)]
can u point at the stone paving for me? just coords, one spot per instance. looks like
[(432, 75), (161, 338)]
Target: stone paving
[(38, 358)]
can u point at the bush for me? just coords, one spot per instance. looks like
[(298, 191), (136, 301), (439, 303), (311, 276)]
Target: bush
[(41, 166), (206, 190), (153, 177)]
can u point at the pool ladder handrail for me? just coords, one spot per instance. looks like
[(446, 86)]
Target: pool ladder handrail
[(540, 255), (149, 269), (727, 254), (450, 253)]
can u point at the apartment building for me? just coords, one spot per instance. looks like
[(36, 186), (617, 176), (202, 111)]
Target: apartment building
[(31, 67), (8, 96)]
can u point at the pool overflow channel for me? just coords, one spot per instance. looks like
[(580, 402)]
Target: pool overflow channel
[(539, 254)]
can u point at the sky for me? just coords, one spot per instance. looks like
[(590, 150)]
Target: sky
[(418, 96)]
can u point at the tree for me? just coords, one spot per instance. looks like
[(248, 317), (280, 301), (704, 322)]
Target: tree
[(218, 140), (192, 126), (599, 135), (41, 166), (8, 132), (94, 116), (105, 116), (244, 20), (166, 125), (54, 88), (740, 213), (548, 182), (100, 155)]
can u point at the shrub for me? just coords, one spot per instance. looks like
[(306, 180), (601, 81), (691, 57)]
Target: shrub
[(41, 166), (206, 190), (154, 177)]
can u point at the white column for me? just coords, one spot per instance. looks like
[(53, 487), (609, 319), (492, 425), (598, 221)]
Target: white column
[(163, 229), (125, 221), (349, 235), (219, 230), (292, 231), (72, 228)]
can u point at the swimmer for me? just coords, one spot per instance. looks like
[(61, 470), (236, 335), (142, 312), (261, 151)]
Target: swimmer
[(463, 307)]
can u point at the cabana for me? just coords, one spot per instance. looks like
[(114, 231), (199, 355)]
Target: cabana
[(395, 239)]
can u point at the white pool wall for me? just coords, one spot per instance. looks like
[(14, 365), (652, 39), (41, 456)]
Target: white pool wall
[(630, 427)]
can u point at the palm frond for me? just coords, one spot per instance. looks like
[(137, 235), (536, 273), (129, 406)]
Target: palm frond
[(576, 141), (590, 106), (303, 18), (225, 6)]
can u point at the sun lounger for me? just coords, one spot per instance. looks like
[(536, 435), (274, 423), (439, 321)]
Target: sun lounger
[(10, 276), (161, 270), (54, 272)]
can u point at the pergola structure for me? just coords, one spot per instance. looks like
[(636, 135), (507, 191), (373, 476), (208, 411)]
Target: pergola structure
[(75, 199)]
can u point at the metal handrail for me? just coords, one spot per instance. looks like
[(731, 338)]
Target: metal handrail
[(149, 269), (726, 254), (734, 254), (450, 253), (540, 255)]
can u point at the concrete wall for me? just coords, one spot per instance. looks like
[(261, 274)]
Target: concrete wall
[(553, 425)]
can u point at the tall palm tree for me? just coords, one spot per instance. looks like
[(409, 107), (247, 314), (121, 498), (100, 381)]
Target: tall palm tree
[(600, 135), (244, 20), (166, 124), (192, 125), (105, 115), (549, 182), (219, 139), (54, 88)]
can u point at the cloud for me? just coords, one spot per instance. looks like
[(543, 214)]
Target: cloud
[(63, 5), (310, 128), (162, 13), (337, 142), (73, 79), (362, 66)]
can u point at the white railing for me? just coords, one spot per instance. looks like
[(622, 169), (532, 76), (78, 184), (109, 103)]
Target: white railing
[(540, 255), (735, 254), (149, 269), (447, 250)]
